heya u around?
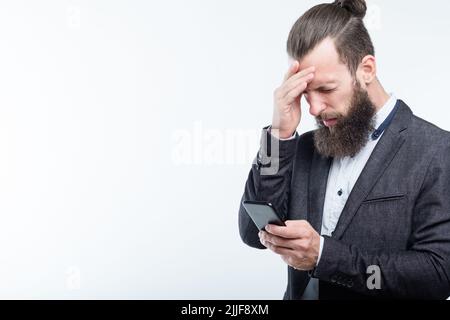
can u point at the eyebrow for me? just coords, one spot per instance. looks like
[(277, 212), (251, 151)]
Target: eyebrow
[(323, 85)]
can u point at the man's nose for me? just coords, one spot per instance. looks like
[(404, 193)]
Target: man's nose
[(316, 106)]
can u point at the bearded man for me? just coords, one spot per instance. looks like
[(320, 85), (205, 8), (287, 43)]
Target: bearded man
[(366, 196)]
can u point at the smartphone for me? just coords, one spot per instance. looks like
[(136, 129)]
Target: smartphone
[(262, 214)]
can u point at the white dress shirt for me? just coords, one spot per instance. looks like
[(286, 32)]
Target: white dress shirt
[(344, 173)]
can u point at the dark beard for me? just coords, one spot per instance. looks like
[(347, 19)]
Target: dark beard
[(351, 132)]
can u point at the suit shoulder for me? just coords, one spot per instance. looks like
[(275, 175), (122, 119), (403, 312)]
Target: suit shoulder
[(428, 132), (307, 137), (306, 140), (305, 146)]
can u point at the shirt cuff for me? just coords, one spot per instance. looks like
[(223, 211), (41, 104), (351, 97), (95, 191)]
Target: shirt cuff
[(288, 139), (320, 250)]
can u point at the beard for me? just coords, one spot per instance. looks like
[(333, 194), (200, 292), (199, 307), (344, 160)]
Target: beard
[(351, 132)]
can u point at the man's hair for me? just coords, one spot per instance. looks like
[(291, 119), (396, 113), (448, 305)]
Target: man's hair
[(342, 22)]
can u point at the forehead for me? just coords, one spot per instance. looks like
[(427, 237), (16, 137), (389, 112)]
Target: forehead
[(325, 59)]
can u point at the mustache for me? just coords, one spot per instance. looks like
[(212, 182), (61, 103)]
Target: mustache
[(328, 117)]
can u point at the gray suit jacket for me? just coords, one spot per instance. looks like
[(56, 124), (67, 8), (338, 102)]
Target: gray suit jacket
[(397, 216)]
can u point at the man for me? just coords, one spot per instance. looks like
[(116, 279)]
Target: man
[(366, 196)]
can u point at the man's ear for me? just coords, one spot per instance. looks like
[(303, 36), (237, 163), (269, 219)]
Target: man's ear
[(367, 70)]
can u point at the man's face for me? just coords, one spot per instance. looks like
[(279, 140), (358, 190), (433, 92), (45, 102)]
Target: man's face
[(342, 108), (330, 91)]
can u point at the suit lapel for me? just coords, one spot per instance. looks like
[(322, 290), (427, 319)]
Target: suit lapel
[(320, 169), (382, 155)]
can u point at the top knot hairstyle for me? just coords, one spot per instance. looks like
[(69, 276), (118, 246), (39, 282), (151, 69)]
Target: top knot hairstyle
[(357, 8), (342, 22)]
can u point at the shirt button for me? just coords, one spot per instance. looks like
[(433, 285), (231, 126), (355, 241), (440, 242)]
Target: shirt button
[(340, 192)]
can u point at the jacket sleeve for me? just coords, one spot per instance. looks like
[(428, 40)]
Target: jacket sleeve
[(269, 181), (423, 270)]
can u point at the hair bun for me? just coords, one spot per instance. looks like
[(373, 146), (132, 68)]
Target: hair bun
[(357, 8)]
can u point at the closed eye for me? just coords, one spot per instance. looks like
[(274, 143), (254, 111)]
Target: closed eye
[(326, 90), (320, 90)]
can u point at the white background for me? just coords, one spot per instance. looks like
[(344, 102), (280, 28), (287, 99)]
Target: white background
[(127, 130)]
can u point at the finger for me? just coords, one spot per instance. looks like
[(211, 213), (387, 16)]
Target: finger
[(301, 74), (287, 232), (261, 238), (291, 85), (279, 250), (292, 70), (293, 94), (278, 241)]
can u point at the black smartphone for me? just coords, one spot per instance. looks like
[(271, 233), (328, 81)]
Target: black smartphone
[(262, 214)]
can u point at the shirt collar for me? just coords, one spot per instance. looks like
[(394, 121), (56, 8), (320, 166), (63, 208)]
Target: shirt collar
[(384, 112)]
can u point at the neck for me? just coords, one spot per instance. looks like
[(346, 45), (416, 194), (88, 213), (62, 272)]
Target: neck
[(377, 94)]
